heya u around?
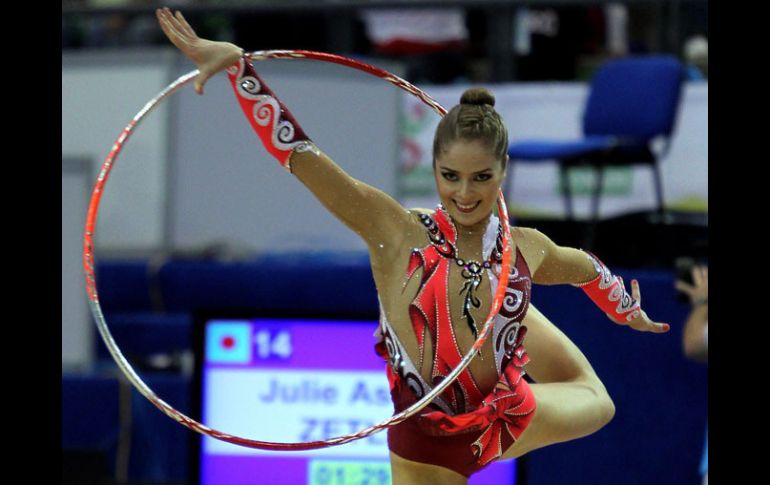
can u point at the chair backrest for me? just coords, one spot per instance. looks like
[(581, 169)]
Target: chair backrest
[(635, 97)]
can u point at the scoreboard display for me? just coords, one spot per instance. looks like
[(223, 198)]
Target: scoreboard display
[(297, 380)]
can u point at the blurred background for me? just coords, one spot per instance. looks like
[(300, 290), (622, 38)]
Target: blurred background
[(199, 225)]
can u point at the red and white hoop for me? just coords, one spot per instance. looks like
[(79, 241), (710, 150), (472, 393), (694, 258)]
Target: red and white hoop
[(125, 367)]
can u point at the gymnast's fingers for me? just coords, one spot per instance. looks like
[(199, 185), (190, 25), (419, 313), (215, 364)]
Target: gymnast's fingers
[(168, 29), (178, 27), (184, 25), (200, 80), (659, 327), (635, 293), (646, 325)]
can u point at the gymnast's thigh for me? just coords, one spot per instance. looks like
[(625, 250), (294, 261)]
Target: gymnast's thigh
[(535, 435), (407, 472), (565, 411), (570, 399)]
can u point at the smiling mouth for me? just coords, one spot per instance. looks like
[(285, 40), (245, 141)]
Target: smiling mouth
[(466, 208)]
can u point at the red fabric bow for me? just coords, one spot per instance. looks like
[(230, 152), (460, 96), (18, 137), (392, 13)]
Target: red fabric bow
[(502, 410)]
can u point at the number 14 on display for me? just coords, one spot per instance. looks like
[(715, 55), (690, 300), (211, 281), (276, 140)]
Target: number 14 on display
[(273, 344)]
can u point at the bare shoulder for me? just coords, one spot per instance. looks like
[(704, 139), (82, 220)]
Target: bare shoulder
[(415, 220), (416, 232), (532, 244), (551, 264), (410, 234), (417, 211), (528, 237)]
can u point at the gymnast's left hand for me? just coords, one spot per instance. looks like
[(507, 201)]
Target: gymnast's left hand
[(642, 322), (210, 56)]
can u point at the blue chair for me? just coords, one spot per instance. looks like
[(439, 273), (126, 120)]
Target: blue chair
[(632, 102)]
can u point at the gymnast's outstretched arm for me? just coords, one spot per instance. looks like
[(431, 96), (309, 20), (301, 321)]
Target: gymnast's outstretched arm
[(565, 265), (372, 214)]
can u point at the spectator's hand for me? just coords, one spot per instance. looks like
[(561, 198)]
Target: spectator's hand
[(209, 56), (698, 292), (642, 322)]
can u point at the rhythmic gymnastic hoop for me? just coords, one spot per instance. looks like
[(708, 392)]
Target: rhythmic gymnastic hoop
[(125, 366)]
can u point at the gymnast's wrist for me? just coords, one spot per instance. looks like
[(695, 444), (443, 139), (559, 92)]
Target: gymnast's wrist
[(608, 292), (274, 124), (241, 55), (306, 146)]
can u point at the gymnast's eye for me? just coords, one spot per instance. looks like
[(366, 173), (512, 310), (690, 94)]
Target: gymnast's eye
[(449, 176), (483, 177)]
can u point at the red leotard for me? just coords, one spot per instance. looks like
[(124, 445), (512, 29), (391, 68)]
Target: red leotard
[(462, 429)]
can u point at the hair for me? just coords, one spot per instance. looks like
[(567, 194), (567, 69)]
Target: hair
[(474, 119)]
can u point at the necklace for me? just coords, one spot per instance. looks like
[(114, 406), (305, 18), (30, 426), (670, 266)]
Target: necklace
[(472, 270), (472, 273)]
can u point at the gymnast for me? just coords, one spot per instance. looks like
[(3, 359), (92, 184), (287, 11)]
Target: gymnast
[(435, 273)]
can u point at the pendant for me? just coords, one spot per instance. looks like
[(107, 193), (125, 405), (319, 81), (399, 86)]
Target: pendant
[(472, 274)]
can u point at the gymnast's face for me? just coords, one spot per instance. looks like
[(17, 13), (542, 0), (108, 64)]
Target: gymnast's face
[(468, 178)]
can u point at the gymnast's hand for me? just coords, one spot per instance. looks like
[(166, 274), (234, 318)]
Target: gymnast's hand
[(642, 322), (209, 56)]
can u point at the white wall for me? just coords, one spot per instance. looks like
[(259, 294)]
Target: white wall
[(194, 173), (77, 329), (226, 186), (101, 92)]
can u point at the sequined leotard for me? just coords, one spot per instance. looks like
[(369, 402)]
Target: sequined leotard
[(462, 429)]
